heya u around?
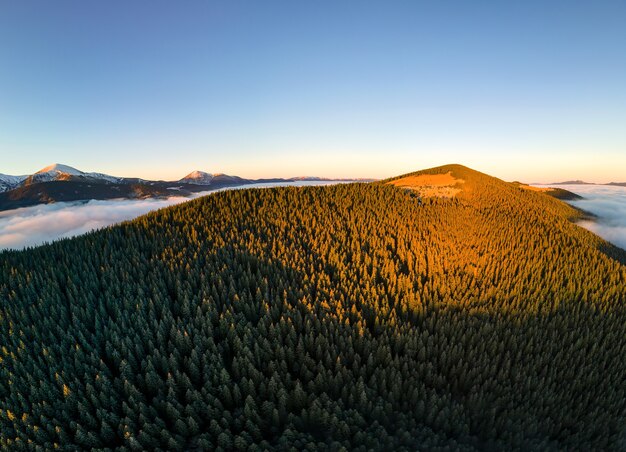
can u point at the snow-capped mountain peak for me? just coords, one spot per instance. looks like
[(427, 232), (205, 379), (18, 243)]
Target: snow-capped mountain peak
[(58, 168), (197, 177), (61, 172)]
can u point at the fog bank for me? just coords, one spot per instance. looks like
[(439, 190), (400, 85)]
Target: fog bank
[(30, 226), (608, 203)]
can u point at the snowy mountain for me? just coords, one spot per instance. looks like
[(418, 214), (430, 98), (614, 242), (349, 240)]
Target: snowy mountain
[(58, 172), (57, 169), (202, 178), (197, 178), (63, 183), (10, 182)]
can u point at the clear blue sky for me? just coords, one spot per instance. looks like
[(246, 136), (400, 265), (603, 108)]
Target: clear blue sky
[(534, 91)]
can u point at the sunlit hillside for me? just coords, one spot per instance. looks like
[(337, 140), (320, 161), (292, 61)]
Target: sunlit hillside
[(440, 309)]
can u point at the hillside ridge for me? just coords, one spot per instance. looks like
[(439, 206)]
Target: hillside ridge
[(350, 316)]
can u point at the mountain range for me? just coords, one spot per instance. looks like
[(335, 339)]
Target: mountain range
[(581, 182), (58, 183)]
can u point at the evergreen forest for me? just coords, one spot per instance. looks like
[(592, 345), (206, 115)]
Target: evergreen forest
[(345, 317)]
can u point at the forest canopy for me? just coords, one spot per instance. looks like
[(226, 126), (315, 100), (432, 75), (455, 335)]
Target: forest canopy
[(357, 316)]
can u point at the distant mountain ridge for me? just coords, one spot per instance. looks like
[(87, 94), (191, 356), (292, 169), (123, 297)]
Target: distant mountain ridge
[(580, 182), (59, 183), (58, 172), (197, 177), (572, 182), (54, 172), (8, 182)]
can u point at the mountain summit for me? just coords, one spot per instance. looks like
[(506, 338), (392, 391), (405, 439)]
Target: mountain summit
[(454, 180), (60, 172), (58, 168), (197, 177)]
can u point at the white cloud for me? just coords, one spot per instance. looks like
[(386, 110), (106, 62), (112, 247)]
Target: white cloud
[(32, 226), (608, 203)]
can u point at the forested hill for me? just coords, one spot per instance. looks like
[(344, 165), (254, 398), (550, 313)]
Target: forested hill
[(448, 312)]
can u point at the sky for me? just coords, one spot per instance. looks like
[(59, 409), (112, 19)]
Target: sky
[(530, 91)]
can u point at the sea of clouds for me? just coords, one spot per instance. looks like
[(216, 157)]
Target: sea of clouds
[(608, 203), (32, 226)]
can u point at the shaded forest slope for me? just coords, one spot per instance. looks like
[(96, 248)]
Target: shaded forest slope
[(351, 315)]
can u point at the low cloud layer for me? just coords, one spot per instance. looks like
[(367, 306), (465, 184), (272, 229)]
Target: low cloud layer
[(608, 203), (32, 226)]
